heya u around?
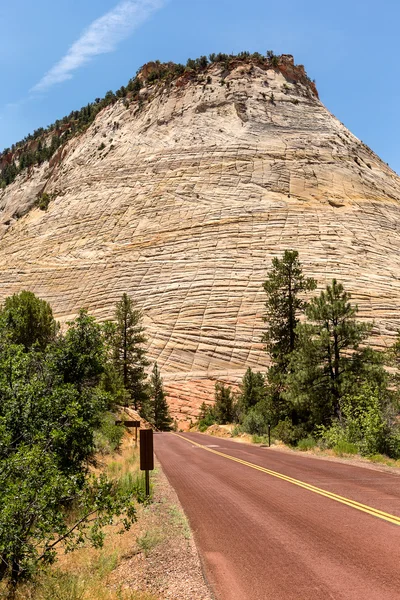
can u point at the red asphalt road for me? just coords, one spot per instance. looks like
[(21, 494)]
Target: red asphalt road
[(262, 538)]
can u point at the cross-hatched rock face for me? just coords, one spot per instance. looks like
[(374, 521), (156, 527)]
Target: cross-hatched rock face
[(197, 188)]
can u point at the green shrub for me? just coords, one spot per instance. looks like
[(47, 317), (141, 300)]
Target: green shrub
[(204, 425), (108, 436), (306, 444), (43, 201), (148, 541), (224, 408), (289, 433), (259, 439), (344, 447), (392, 443), (254, 423), (237, 430), (378, 458)]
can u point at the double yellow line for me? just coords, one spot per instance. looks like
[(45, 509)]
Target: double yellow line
[(380, 514)]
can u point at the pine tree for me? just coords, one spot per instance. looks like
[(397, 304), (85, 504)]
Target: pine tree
[(284, 284), (328, 361), (284, 287), (129, 352), (160, 416), (224, 404), (252, 389)]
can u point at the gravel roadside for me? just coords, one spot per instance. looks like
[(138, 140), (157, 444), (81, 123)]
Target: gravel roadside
[(164, 561)]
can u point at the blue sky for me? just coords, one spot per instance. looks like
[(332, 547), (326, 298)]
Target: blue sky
[(55, 56)]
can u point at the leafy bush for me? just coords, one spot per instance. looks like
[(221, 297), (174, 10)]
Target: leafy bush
[(108, 436), (51, 383), (237, 430), (254, 423), (289, 433), (43, 201), (206, 417), (344, 447), (306, 444), (364, 425), (259, 439)]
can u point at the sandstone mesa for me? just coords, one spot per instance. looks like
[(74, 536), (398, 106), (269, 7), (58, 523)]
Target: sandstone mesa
[(200, 184)]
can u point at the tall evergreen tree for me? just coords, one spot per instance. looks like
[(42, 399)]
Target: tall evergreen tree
[(224, 404), (284, 287), (129, 351), (283, 305), (328, 361), (160, 416)]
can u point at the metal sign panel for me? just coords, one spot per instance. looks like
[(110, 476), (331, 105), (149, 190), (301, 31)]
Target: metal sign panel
[(146, 450)]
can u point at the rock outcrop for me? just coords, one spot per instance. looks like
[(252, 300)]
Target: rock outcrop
[(182, 198)]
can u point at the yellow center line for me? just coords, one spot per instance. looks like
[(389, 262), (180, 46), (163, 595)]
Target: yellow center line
[(312, 488)]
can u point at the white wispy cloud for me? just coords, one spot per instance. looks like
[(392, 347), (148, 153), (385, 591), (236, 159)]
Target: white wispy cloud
[(101, 37)]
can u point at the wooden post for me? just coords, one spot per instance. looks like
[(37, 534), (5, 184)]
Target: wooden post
[(146, 455)]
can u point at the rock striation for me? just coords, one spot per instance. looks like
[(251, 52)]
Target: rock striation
[(182, 198)]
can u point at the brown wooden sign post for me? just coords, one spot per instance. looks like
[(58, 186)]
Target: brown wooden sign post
[(146, 455), (135, 424)]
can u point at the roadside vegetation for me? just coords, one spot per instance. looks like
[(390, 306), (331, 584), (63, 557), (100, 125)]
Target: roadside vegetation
[(58, 394), (326, 386)]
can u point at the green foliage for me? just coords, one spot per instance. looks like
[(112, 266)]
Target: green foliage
[(283, 287), (289, 433), (237, 430), (365, 424), (259, 439), (134, 484), (61, 586), (28, 321), (344, 447), (224, 404), (108, 436), (111, 381), (328, 361), (255, 423), (204, 425), (305, 444), (148, 541), (206, 417), (252, 390), (80, 355), (50, 407), (43, 201), (159, 411), (129, 354)]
